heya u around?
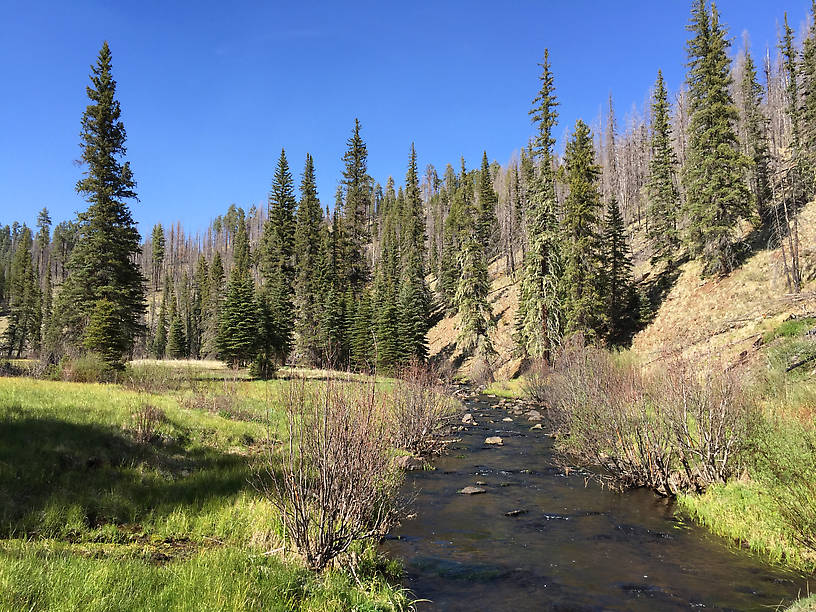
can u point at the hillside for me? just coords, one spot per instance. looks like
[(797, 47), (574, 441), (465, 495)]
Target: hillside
[(698, 318)]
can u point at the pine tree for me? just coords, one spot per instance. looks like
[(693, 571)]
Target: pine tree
[(617, 256), (789, 62), (385, 308), (160, 337), (201, 297), (475, 320), (103, 265), (808, 73), (213, 307), (308, 281), (539, 321), (21, 297), (176, 342), (486, 222), (42, 240), (357, 186), (362, 337), (238, 334), (717, 196), (158, 242), (664, 199), (414, 298), (583, 278), (755, 145), (278, 271)]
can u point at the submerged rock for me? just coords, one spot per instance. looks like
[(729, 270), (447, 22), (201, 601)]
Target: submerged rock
[(515, 512), (507, 420), (494, 440), (471, 490)]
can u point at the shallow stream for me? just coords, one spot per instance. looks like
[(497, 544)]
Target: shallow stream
[(571, 546)]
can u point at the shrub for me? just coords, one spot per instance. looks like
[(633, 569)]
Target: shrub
[(419, 409), (668, 431), (146, 420), (86, 368), (333, 483)]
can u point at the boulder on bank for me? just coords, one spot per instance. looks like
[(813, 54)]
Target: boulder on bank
[(468, 419), (533, 415), (409, 463)]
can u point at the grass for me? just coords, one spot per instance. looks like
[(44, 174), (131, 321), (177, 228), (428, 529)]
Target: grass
[(509, 389), (90, 519), (744, 513)]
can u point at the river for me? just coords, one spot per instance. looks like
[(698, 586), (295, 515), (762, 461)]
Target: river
[(567, 544)]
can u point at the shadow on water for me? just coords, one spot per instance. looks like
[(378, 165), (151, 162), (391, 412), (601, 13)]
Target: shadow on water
[(540, 540)]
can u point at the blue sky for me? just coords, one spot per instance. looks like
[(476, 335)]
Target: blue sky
[(211, 91)]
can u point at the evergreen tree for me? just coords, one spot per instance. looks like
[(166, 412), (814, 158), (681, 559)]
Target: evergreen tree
[(583, 277), (717, 196), (357, 186), (308, 281), (664, 199), (362, 337), (385, 307), (414, 299), (539, 321), (618, 277), (103, 265), (160, 337), (22, 300), (201, 297), (278, 271), (808, 74), (212, 308), (755, 145), (486, 222), (42, 240), (238, 334), (475, 321), (158, 242), (789, 62), (176, 342)]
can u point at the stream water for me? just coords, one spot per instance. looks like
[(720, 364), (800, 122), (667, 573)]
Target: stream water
[(572, 546)]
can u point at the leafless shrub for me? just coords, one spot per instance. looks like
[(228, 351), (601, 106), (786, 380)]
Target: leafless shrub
[(669, 431), (150, 378), (710, 416), (333, 482), (420, 408), (481, 370), (146, 421)]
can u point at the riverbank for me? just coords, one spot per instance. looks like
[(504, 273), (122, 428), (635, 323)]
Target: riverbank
[(140, 497)]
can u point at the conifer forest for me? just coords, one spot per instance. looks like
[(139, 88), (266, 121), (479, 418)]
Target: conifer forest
[(282, 407)]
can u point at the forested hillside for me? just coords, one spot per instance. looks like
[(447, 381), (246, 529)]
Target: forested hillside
[(588, 239)]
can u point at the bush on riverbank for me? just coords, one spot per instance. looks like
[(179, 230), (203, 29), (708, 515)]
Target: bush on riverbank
[(669, 431)]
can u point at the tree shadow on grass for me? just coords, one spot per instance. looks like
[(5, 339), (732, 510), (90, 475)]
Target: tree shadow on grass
[(56, 475)]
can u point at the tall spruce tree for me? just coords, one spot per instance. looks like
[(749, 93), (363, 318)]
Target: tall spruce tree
[(716, 194), (308, 281), (619, 289), (103, 267), (583, 270), (278, 272), (475, 320), (755, 142), (414, 298), (539, 321), (664, 199), (22, 298), (486, 221), (238, 333), (212, 308), (357, 188), (808, 73)]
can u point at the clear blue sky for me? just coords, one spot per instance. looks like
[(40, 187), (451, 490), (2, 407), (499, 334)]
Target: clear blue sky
[(211, 91)]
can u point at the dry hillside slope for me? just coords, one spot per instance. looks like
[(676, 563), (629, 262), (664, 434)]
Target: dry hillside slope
[(699, 318)]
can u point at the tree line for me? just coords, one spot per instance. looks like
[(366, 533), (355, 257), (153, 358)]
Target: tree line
[(725, 165)]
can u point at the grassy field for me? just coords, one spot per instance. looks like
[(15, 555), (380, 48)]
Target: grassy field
[(95, 517)]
